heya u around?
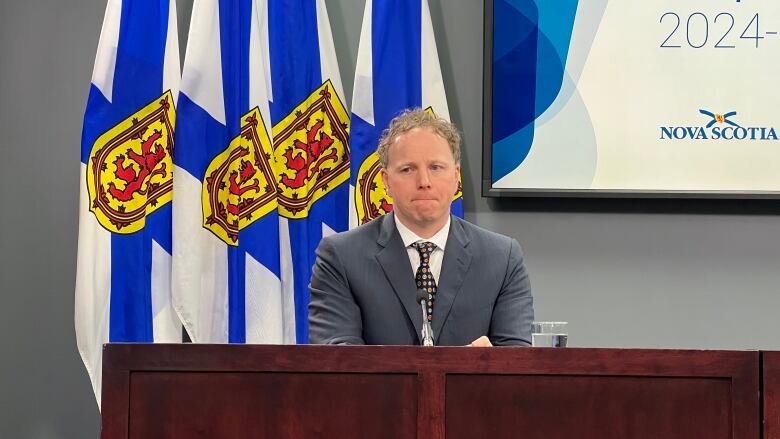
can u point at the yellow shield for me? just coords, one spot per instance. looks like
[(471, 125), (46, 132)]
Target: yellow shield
[(239, 187), (371, 198), (129, 171), (311, 150)]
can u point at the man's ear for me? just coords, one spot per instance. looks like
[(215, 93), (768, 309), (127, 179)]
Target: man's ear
[(457, 178), (383, 174)]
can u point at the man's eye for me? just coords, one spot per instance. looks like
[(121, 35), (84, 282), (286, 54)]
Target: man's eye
[(405, 170)]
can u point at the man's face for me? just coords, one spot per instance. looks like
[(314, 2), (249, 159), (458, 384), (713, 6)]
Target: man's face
[(422, 178)]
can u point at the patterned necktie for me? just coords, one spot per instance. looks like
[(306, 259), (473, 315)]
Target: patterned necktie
[(424, 277)]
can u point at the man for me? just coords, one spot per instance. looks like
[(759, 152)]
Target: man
[(364, 283)]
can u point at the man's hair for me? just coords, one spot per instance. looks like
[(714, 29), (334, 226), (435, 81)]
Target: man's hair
[(417, 118)]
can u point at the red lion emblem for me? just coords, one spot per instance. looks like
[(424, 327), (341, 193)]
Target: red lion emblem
[(309, 158), (147, 162)]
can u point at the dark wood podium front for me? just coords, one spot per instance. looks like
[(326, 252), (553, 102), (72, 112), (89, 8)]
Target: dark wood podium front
[(770, 361), (241, 391)]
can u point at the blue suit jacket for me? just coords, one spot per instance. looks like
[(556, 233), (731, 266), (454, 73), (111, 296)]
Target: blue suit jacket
[(363, 290)]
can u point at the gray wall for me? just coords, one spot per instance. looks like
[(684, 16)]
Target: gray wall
[(624, 273)]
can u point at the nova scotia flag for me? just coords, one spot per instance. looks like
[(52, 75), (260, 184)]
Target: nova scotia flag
[(311, 137), (397, 68), (124, 251), (262, 154), (226, 263)]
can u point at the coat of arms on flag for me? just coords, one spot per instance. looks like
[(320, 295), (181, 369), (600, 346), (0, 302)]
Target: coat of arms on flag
[(240, 186), (312, 151), (130, 167)]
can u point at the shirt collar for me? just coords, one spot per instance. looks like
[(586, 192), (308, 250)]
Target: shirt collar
[(409, 237)]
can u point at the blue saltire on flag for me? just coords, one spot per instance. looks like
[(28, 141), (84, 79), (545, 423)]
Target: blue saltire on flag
[(227, 266), (397, 68), (123, 273)]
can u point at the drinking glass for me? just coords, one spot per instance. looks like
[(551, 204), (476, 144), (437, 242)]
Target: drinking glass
[(549, 334)]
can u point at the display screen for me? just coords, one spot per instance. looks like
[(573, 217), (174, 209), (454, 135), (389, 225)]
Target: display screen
[(621, 97)]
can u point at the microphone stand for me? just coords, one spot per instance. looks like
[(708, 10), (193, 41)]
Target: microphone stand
[(427, 331)]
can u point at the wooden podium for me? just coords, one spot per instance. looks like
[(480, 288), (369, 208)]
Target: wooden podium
[(251, 391), (770, 366)]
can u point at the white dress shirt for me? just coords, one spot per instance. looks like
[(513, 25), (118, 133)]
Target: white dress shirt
[(435, 260)]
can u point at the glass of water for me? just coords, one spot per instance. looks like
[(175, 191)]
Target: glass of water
[(549, 334)]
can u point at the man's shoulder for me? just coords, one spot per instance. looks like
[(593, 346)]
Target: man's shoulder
[(363, 233)]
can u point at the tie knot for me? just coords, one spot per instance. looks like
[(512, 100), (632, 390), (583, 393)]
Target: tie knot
[(424, 248)]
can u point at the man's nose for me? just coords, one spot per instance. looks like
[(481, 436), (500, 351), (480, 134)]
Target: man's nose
[(423, 179)]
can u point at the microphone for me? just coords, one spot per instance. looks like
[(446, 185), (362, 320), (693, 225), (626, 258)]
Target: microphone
[(427, 331)]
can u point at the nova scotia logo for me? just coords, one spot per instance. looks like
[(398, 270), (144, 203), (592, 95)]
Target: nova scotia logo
[(719, 126), (719, 118)]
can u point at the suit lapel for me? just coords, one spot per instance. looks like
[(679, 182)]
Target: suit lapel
[(456, 262), (395, 262)]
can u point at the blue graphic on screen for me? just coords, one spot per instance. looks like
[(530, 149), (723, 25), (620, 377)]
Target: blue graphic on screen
[(530, 49)]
